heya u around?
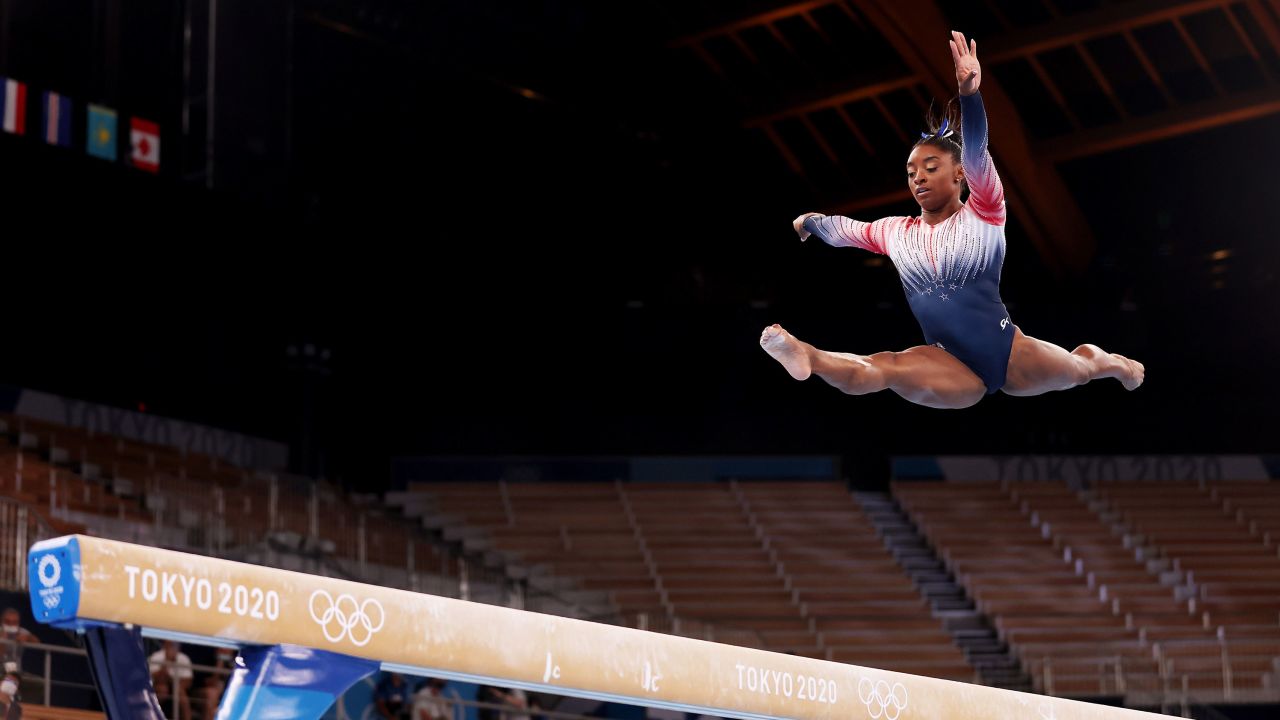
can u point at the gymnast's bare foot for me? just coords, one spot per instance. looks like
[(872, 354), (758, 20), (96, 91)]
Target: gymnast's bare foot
[(1130, 373), (784, 348), (1135, 373)]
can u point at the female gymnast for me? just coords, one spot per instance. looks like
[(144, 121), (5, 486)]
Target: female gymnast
[(949, 261)]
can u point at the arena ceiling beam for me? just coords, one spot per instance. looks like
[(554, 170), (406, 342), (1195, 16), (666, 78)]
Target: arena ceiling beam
[(1165, 125)]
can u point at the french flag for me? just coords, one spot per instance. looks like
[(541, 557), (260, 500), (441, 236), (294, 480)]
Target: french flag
[(57, 119), (13, 107)]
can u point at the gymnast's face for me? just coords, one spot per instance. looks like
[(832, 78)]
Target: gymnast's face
[(933, 176)]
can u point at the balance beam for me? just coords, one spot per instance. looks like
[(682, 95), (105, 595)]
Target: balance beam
[(83, 582)]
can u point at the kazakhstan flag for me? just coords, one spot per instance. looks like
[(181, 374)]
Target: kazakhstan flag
[(101, 142)]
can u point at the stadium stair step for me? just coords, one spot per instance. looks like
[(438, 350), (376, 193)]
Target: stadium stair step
[(973, 632)]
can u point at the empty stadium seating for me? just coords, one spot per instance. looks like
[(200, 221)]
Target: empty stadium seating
[(1123, 589), (786, 566), (86, 482)]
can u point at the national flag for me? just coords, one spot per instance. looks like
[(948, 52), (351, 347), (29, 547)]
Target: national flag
[(13, 107), (101, 142), (144, 135), (56, 119)]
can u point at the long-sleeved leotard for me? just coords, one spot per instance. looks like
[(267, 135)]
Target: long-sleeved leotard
[(950, 271)]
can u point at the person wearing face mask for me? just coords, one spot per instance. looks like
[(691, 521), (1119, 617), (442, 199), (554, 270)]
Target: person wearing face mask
[(216, 683), (13, 636), (10, 708), (391, 697), (171, 674), (12, 631), (429, 702)]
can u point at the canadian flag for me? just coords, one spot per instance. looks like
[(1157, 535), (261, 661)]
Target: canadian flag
[(144, 135)]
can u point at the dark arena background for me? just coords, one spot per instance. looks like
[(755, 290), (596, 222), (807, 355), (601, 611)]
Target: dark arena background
[(465, 299)]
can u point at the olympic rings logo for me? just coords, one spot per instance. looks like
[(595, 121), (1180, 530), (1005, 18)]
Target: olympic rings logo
[(345, 617), (881, 699)]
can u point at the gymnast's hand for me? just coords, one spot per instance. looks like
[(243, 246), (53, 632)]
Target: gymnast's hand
[(965, 56), (798, 224)]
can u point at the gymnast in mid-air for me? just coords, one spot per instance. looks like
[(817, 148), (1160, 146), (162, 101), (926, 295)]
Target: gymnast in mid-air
[(949, 260)]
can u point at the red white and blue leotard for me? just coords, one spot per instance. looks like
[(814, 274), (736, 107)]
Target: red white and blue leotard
[(950, 271)]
